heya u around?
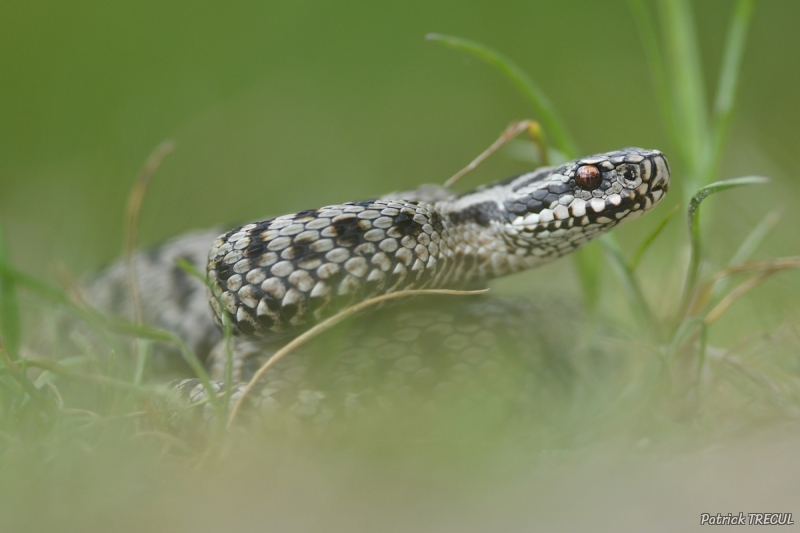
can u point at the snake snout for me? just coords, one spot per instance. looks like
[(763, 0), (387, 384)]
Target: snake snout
[(655, 169)]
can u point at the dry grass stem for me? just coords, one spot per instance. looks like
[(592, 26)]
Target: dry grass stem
[(734, 295), (781, 263), (133, 210), (705, 293), (513, 129), (11, 364)]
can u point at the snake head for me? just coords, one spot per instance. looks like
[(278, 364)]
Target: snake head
[(553, 211), (599, 190)]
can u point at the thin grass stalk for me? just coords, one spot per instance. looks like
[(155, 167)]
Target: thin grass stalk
[(227, 331), (547, 113), (711, 290), (682, 336), (61, 370), (658, 69), (701, 349), (780, 263), (650, 239), (693, 210), (763, 269), (327, 324), (728, 82), (630, 286), (735, 294), (105, 323), (18, 373), (589, 259), (686, 73), (132, 216), (748, 246), (756, 236), (510, 133), (9, 305)]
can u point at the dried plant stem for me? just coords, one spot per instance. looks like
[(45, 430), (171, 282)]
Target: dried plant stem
[(7, 359), (134, 208), (768, 265), (734, 295), (513, 129)]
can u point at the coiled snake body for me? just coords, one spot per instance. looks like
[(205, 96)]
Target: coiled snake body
[(278, 277)]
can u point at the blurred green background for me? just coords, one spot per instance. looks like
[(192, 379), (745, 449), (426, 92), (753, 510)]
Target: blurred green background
[(281, 106), (277, 106)]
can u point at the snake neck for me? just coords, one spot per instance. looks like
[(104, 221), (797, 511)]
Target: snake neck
[(479, 248), (477, 240), (484, 243)]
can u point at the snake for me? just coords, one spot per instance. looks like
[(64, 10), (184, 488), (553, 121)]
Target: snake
[(273, 279)]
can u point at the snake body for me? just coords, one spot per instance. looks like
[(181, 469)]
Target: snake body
[(277, 277)]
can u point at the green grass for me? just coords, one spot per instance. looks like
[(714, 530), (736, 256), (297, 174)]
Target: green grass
[(89, 431)]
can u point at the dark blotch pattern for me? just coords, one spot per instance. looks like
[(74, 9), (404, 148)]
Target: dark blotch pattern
[(276, 284), (483, 214)]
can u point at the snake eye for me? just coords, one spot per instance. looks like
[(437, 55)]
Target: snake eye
[(588, 177)]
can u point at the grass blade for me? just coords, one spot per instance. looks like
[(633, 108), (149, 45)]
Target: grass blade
[(588, 260), (103, 324), (686, 332), (9, 306), (630, 285), (755, 237), (588, 263), (728, 80), (541, 103), (718, 186), (658, 70), (777, 264), (748, 247), (710, 291), (694, 228), (688, 88), (227, 329), (651, 238), (64, 371), (735, 294), (132, 214)]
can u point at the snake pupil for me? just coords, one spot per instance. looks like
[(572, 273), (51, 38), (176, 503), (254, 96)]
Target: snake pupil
[(588, 178)]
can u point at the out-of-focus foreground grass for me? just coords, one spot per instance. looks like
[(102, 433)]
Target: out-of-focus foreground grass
[(686, 394)]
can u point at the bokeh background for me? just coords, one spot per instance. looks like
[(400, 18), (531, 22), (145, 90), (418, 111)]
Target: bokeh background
[(280, 106)]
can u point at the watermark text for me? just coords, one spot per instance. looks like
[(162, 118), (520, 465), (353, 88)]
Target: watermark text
[(742, 519)]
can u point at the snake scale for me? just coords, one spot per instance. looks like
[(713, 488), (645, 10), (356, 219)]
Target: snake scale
[(278, 277)]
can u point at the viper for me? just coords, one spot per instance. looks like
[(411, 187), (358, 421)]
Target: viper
[(275, 278)]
